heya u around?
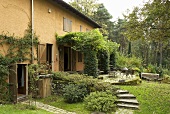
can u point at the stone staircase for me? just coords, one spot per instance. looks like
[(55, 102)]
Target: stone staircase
[(126, 100)]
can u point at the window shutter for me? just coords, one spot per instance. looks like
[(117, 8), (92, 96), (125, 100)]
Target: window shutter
[(64, 24), (70, 26), (42, 53)]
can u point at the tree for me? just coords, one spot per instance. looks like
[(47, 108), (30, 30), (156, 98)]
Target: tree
[(87, 7), (102, 17), (151, 24)]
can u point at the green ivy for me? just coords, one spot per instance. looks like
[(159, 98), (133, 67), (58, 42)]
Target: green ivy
[(103, 57), (18, 50), (91, 63), (89, 43)]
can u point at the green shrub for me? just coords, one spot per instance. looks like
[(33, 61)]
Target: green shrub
[(74, 93), (166, 79), (100, 101), (91, 63), (135, 81), (59, 75), (166, 72), (129, 62), (103, 61)]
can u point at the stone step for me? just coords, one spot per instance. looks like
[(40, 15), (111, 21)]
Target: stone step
[(22, 98), (123, 105), (128, 101), (126, 96), (122, 92)]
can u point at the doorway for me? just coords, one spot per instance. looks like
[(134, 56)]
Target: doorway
[(21, 79), (49, 55), (67, 59)]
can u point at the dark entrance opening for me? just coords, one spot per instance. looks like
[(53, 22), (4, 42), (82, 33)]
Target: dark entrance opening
[(67, 59), (21, 78), (49, 54)]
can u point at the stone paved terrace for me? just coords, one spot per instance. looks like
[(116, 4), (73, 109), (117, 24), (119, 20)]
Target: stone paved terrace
[(119, 76)]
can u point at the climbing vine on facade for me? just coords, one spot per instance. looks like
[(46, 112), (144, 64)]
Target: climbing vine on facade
[(13, 50), (90, 43)]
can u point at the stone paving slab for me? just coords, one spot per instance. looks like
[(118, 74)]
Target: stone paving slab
[(122, 91), (128, 106), (131, 101), (124, 111), (126, 96)]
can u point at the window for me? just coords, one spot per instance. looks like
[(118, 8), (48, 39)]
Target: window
[(81, 28), (79, 57), (67, 25)]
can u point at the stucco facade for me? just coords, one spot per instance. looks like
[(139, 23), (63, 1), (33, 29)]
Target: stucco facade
[(47, 20)]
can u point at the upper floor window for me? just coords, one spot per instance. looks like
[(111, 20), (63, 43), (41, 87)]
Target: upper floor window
[(81, 28), (67, 25)]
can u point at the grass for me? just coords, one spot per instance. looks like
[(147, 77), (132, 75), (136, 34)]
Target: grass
[(21, 109), (154, 98), (58, 101)]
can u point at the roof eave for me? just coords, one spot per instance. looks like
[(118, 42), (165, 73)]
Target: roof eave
[(73, 10)]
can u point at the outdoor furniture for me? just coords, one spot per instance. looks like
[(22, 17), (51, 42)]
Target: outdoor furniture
[(112, 74), (150, 76)]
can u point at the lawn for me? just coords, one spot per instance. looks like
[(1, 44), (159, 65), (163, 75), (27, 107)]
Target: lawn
[(154, 98), (20, 109), (58, 102)]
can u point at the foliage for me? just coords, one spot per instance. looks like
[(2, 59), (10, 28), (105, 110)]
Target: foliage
[(129, 62), (5, 94), (97, 12), (59, 102), (90, 63), (102, 17), (89, 43), (89, 82), (135, 81), (166, 79), (74, 92), (103, 61), (18, 47), (14, 50), (151, 23), (33, 72), (87, 7), (100, 101), (153, 97)]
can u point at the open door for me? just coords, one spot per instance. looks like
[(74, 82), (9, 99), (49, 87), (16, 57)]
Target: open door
[(45, 54), (13, 82), (67, 59), (21, 79), (42, 53)]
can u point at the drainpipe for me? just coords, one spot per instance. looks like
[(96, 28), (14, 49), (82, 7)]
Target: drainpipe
[(32, 30)]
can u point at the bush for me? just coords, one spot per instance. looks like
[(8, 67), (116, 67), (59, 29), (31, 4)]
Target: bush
[(74, 93), (100, 101), (91, 63), (103, 61), (129, 62), (59, 75)]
